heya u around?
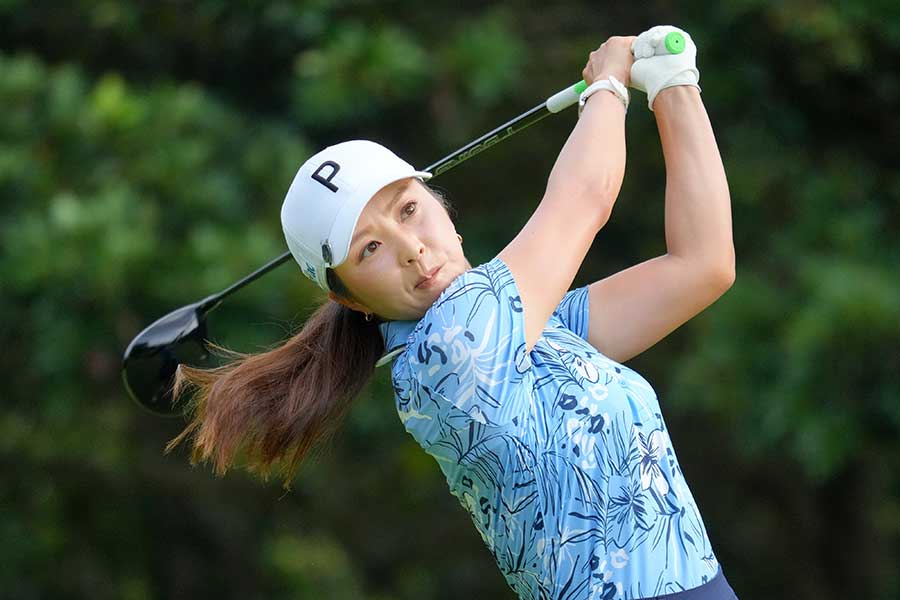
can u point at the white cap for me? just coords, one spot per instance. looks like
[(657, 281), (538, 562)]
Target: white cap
[(327, 196)]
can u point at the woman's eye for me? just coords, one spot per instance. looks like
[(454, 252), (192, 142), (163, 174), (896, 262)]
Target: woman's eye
[(408, 210), (369, 245)]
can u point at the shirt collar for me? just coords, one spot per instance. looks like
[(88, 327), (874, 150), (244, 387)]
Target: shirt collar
[(395, 335)]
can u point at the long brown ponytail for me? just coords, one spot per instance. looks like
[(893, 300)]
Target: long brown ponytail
[(277, 405)]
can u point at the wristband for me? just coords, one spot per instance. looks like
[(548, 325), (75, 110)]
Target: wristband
[(610, 83)]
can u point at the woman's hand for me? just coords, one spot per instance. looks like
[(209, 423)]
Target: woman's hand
[(658, 66), (613, 57)]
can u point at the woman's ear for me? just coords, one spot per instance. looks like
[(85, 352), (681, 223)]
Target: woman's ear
[(349, 303)]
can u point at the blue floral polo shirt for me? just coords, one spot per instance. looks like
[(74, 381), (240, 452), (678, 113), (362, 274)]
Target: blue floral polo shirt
[(560, 455)]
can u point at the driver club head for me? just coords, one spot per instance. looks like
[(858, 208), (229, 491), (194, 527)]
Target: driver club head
[(150, 361)]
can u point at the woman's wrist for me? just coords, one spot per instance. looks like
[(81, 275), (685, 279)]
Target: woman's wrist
[(609, 84), (603, 96), (623, 77), (676, 97)]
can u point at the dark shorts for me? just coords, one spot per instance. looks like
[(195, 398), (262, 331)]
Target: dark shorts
[(716, 588)]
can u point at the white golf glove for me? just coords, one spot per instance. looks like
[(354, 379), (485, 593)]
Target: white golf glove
[(657, 67)]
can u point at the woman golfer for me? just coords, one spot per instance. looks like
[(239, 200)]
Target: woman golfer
[(511, 381)]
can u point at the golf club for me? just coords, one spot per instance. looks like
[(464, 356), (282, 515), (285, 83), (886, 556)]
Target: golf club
[(150, 361)]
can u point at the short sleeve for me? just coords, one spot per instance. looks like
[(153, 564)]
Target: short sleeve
[(470, 347), (573, 311)]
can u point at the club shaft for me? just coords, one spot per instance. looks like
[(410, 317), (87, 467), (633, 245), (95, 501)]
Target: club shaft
[(450, 161), (489, 139), (213, 301)]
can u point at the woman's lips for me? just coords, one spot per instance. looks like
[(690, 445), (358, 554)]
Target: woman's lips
[(427, 283)]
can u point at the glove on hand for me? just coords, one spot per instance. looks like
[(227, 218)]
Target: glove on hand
[(656, 67)]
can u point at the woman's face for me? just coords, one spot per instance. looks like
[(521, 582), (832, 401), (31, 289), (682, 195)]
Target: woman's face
[(403, 234)]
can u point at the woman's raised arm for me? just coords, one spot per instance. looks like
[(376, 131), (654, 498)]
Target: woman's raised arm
[(581, 190)]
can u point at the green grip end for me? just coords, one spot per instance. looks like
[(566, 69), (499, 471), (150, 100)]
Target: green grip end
[(565, 97), (675, 43)]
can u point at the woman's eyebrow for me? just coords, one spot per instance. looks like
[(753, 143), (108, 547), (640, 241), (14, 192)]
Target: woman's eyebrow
[(387, 210)]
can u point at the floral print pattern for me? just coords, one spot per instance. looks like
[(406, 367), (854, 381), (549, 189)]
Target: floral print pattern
[(560, 455)]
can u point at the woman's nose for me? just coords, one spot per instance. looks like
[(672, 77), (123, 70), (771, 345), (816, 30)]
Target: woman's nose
[(412, 248)]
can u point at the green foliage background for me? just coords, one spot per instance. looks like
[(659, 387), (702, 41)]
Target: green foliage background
[(145, 149)]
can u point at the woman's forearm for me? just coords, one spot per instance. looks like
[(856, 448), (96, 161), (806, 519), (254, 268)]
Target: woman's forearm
[(591, 164), (698, 203)]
